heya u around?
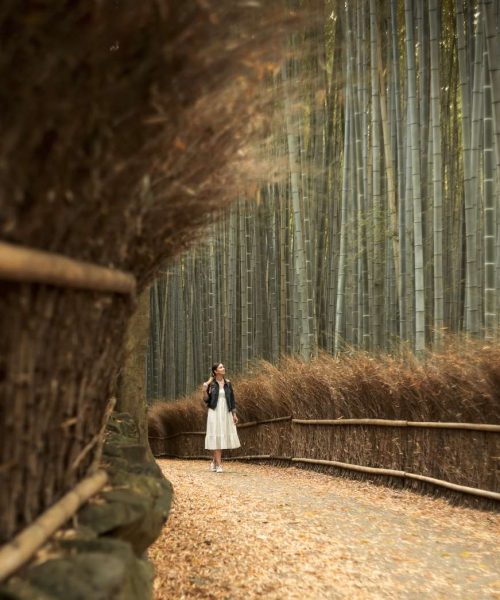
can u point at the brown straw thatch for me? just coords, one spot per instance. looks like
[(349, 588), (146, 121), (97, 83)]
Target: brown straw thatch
[(122, 125), (459, 384)]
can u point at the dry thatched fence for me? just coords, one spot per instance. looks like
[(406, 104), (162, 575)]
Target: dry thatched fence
[(122, 127), (434, 451)]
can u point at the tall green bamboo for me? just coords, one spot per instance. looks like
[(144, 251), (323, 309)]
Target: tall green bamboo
[(380, 193), (414, 135), (437, 174)]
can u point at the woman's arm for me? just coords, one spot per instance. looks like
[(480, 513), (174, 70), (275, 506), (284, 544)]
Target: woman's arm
[(206, 386), (233, 404)]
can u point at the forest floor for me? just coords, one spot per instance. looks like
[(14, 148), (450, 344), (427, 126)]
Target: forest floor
[(275, 533)]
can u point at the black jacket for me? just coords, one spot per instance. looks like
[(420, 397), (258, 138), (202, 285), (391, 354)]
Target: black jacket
[(213, 395)]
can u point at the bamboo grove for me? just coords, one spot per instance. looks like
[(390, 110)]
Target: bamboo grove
[(379, 220)]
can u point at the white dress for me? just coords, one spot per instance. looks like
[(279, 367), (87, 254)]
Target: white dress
[(221, 430)]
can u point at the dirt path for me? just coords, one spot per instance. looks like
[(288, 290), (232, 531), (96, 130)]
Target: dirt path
[(283, 533)]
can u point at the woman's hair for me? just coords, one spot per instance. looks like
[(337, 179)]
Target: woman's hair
[(214, 368)]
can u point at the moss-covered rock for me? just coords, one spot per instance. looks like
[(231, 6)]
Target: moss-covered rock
[(101, 569), (135, 512), (104, 560), (138, 505)]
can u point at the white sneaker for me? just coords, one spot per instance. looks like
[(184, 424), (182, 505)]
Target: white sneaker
[(218, 469), (212, 467)]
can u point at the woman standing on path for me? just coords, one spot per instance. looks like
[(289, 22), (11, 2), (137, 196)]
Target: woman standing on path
[(221, 418)]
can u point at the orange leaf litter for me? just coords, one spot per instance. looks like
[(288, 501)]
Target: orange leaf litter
[(258, 531)]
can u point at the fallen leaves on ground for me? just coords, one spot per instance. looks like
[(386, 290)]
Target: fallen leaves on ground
[(259, 531)]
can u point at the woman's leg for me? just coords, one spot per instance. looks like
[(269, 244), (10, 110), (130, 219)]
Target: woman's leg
[(217, 457)]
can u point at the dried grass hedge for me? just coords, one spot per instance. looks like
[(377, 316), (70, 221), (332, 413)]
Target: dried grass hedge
[(458, 384), (123, 125)]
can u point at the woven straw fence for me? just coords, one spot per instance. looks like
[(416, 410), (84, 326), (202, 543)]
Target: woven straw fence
[(451, 453), (123, 126)]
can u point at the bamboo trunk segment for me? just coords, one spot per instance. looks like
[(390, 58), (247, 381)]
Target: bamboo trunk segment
[(29, 265), (19, 550), (378, 471), (396, 423), (174, 435), (250, 457), (264, 422), (382, 422), (239, 426), (351, 467)]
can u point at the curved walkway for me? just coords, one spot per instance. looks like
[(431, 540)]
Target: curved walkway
[(266, 532)]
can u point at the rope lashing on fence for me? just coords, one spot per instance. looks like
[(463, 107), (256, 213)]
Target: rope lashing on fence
[(28, 265), (396, 423), (394, 473), (19, 550)]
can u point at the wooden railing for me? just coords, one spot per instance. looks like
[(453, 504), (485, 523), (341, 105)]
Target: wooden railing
[(18, 263), (395, 423), (295, 423)]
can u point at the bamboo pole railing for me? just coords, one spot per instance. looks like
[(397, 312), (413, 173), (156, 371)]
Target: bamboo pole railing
[(19, 550), (250, 457), (361, 468), (191, 457), (174, 435), (395, 473), (397, 423), (245, 457), (341, 422), (239, 426), (263, 422), (22, 264), (352, 467)]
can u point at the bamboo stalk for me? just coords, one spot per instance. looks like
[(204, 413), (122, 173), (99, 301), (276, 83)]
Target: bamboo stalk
[(395, 423), (194, 457), (360, 468), (242, 426), (264, 422), (250, 457), (169, 437), (454, 486), (30, 265), (276, 420), (383, 422), (249, 424), (18, 551), (470, 426), (205, 457), (376, 422), (394, 473)]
